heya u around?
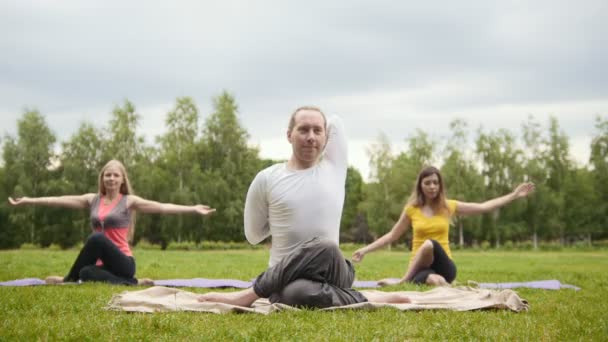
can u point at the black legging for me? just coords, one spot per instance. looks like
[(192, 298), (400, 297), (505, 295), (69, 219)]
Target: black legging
[(117, 267), (442, 265)]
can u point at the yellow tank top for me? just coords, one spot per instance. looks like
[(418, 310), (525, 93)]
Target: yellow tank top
[(436, 227)]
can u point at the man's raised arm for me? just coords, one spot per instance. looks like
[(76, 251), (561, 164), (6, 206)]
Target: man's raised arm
[(336, 150)]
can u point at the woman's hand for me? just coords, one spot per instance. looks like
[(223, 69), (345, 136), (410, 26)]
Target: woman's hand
[(523, 190), (388, 282), (358, 255), (19, 201), (203, 209)]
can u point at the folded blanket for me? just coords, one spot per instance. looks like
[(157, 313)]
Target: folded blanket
[(165, 299)]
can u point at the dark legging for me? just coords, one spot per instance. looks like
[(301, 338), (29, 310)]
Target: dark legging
[(117, 267), (314, 275), (442, 265)]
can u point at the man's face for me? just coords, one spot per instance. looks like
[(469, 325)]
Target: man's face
[(308, 137)]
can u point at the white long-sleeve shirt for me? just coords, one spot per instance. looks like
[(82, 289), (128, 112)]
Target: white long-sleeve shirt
[(294, 206)]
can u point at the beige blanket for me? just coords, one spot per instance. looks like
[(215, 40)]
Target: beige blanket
[(165, 299)]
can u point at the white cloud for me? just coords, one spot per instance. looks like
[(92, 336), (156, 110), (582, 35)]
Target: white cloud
[(385, 66)]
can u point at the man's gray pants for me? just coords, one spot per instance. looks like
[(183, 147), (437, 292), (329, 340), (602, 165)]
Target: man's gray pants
[(314, 275)]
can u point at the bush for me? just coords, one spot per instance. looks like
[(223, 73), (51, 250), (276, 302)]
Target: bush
[(28, 245), (550, 246), (182, 246), (485, 245), (600, 243), (145, 244), (525, 245)]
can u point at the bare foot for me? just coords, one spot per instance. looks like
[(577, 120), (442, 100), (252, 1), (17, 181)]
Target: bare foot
[(145, 282), (436, 280), (388, 282), (386, 297), (53, 280), (239, 298)]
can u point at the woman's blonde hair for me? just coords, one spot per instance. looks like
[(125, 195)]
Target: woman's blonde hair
[(417, 199), (125, 188)]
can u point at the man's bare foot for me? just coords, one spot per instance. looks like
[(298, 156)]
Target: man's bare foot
[(53, 280), (145, 282), (239, 298), (388, 282), (386, 297)]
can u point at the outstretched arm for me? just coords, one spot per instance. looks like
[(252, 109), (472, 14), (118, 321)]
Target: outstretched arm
[(153, 207), (522, 190), (396, 232), (71, 201)]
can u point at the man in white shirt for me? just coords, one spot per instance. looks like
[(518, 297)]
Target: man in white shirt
[(299, 205)]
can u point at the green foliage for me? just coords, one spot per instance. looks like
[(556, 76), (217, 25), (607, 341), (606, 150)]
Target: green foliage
[(122, 142), (28, 160), (352, 226), (208, 160), (228, 166)]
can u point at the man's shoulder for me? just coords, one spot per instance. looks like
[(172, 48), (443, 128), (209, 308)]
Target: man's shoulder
[(271, 172), (272, 169)]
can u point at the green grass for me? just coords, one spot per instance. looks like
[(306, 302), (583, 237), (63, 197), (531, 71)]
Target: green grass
[(73, 312)]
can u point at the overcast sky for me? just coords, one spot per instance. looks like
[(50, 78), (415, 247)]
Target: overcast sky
[(384, 66)]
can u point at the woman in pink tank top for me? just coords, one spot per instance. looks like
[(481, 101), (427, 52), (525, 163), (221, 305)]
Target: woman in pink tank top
[(106, 255)]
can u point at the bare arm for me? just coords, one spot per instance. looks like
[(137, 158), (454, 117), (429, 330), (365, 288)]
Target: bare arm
[(70, 201), (522, 190), (153, 207), (396, 232)]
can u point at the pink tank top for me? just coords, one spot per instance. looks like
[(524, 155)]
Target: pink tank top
[(113, 220)]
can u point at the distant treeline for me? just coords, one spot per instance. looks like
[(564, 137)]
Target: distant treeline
[(208, 160)]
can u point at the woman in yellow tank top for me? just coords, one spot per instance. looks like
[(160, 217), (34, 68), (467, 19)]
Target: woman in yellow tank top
[(428, 212)]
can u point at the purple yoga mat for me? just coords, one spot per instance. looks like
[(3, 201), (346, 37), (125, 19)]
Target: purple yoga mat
[(239, 284), (203, 282), (539, 284), (23, 282)]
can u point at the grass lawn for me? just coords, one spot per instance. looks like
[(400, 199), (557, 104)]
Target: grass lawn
[(76, 312)]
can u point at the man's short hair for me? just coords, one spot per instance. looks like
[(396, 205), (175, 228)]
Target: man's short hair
[(292, 120)]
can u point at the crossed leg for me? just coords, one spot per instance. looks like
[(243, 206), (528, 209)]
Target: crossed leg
[(314, 275)]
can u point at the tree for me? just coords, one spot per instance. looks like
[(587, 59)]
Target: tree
[(228, 166), (461, 179), (536, 214), (558, 165), (352, 226), (501, 168), (177, 159), (598, 160), (376, 192), (122, 142), (9, 238), (80, 162), (28, 162)]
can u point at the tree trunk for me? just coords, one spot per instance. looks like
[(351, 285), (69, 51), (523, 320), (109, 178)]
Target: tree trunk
[(460, 234), (535, 240)]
